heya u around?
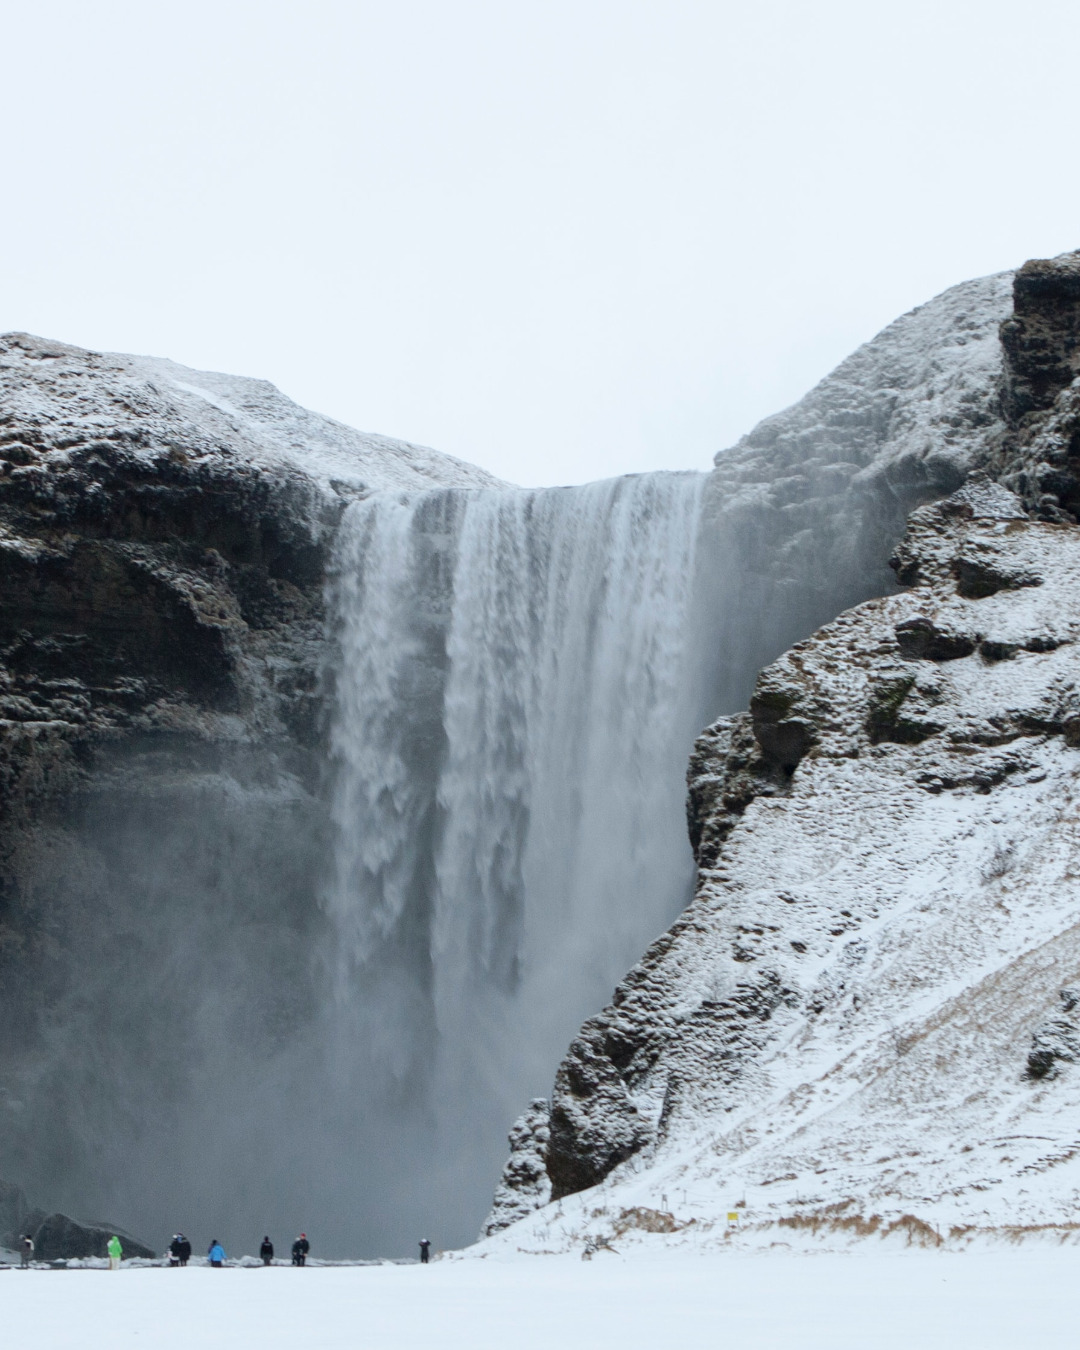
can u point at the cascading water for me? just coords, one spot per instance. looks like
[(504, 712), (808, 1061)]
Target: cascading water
[(519, 687)]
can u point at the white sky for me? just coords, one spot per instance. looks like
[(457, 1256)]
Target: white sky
[(562, 240)]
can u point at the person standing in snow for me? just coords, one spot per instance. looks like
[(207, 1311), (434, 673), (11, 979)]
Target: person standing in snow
[(26, 1250), (115, 1251), (300, 1249), (425, 1247), (174, 1250), (216, 1253), (183, 1249), (266, 1251)]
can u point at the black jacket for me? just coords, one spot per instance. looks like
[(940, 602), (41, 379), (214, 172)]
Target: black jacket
[(267, 1249)]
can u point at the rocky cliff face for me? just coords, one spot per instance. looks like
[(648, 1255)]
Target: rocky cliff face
[(164, 539), (865, 1021)]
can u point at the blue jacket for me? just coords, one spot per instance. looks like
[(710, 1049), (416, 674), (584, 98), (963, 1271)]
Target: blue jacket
[(217, 1252)]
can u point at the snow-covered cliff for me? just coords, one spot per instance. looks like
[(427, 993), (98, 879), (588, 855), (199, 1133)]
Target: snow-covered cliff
[(866, 1020), (805, 510)]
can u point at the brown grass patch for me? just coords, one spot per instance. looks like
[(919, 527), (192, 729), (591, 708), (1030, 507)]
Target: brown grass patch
[(648, 1220)]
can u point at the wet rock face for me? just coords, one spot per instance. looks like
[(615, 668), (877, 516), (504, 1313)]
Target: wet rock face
[(160, 614), (58, 1238), (145, 570), (55, 1236)]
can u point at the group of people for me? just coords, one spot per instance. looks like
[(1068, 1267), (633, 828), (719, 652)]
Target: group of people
[(179, 1252)]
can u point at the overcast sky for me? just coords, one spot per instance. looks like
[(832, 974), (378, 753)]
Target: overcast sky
[(562, 240)]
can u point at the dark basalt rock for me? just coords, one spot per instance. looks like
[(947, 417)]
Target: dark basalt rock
[(59, 1238), (920, 639), (1039, 455), (1041, 338)]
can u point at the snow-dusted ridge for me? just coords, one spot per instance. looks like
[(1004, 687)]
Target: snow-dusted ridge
[(51, 384), (806, 509)]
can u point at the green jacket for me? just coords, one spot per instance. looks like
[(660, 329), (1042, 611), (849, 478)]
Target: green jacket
[(113, 1247)]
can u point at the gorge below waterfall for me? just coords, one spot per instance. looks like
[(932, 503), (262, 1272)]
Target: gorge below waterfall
[(342, 782)]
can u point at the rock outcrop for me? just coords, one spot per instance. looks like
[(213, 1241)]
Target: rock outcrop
[(1039, 455), (852, 1024), (525, 1184), (55, 1236)]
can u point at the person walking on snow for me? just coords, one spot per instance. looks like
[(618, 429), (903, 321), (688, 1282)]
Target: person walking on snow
[(425, 1247), (26, 1249), (216, 1253), (115, 1252), (300, 1249), (184, 1249), (266, 1251)]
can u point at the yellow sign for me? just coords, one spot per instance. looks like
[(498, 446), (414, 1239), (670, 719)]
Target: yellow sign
[(733, 1218)]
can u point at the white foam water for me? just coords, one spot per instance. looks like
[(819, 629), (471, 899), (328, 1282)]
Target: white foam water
[(519, 687)]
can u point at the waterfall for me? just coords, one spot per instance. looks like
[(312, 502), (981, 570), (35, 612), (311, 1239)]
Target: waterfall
[(519, 686)]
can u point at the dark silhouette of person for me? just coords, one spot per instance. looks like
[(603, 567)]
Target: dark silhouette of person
[(183, 1248), (425, 1248), (174, 1250), (300, 1249), (266, 1251), (26, 1250)]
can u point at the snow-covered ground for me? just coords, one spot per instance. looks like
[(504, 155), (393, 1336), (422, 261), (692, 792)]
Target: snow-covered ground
[(890, 1298)]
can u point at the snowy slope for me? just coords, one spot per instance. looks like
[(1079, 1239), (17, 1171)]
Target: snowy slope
[(80, 393), (914, 402), (805, 510)]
